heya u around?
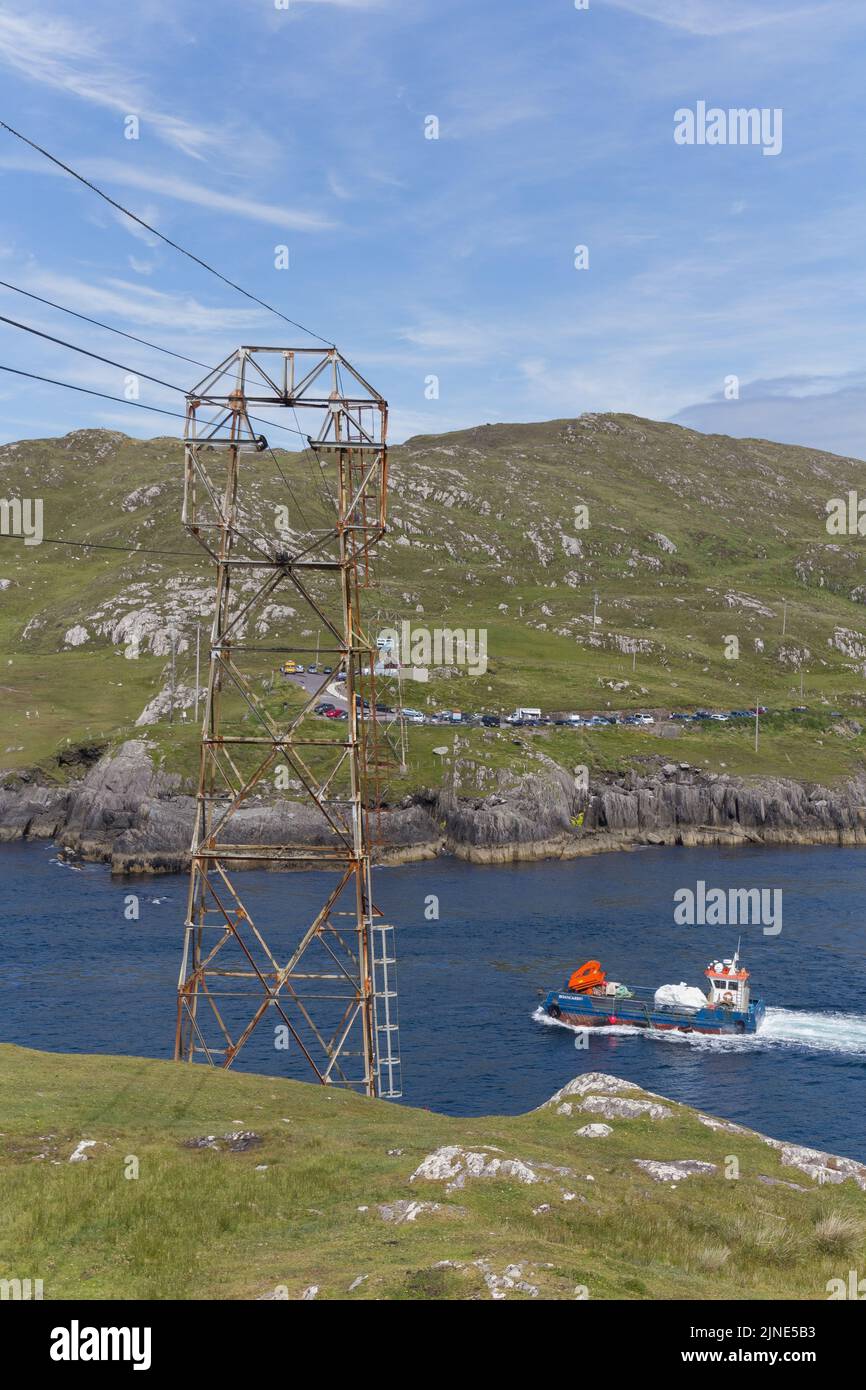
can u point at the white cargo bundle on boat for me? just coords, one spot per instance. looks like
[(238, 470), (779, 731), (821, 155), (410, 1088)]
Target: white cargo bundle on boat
[(681, 996)]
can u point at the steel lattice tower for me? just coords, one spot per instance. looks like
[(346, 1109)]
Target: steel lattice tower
[(325, 977)]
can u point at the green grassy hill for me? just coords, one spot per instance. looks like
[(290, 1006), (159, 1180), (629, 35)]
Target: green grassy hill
[(311, 1201), (691, 539)]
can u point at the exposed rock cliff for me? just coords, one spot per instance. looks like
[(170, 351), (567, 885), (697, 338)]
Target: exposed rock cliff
[(126, 812), (548, 814)]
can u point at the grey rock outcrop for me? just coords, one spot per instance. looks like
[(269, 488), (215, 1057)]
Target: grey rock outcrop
[(677, 1169), (139, 818), (674, 804), (545, 815), (624, 1108), (31, 810), (128, 811)]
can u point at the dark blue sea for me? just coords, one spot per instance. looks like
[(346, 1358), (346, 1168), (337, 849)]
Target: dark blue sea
[(77, 976)]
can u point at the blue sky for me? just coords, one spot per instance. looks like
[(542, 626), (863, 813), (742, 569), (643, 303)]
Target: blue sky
[(451, 257)]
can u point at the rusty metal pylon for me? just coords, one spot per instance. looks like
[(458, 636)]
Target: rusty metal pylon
[(326, 980)]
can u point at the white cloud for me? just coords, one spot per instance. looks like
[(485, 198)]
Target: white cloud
[(183, 191), (178, 188), (456, 340), (712, 18), (133, 303), (149, 213), (70, 58)]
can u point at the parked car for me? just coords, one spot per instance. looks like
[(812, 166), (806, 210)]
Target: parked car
[(490, 721), (324, 707), (333, 713), (327, 671)]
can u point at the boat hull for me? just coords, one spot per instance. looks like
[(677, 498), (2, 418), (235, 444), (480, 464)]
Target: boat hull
[(600, 1011)]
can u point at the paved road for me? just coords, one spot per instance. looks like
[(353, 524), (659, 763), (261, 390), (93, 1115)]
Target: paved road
[(312, 684)]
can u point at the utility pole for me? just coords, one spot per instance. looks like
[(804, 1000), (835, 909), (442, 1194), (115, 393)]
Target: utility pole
[(402, 721), (172, 687), (197, 665)]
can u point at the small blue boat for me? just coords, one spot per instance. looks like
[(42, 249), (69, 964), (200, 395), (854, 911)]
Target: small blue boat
[(591, 1000)]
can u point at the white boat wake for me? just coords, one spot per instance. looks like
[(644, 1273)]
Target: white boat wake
[(829, 1032), (785, 1028)]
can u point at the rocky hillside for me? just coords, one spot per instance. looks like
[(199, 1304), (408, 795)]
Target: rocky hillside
[(253, 1187), (689, 542)]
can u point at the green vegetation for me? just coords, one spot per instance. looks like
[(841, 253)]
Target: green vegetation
[(691, 540), (300, 1209)]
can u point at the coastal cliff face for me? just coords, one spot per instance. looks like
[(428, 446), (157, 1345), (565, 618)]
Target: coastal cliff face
[(139, 819), (547, 815)]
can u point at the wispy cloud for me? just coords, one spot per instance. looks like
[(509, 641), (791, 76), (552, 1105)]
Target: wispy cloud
[(130, 302), (71, 59), (183, 191), (180, 190), (452, 339), (711, 18)]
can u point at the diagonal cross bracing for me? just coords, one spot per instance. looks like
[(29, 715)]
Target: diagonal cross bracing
[(256, 959)]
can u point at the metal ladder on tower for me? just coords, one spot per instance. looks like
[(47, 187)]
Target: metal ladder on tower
[(385, 1013)]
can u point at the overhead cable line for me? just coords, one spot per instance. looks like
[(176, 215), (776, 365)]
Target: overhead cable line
[(157, 347), (87, 391), (154, 232), (97, 545), (85, 352), (145, 342), (64, 309), (134, 371), (159, 410)]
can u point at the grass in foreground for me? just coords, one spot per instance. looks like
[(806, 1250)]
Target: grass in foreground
[(300, 1209)]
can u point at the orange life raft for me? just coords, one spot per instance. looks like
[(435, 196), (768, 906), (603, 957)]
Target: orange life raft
[(586, 977)]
